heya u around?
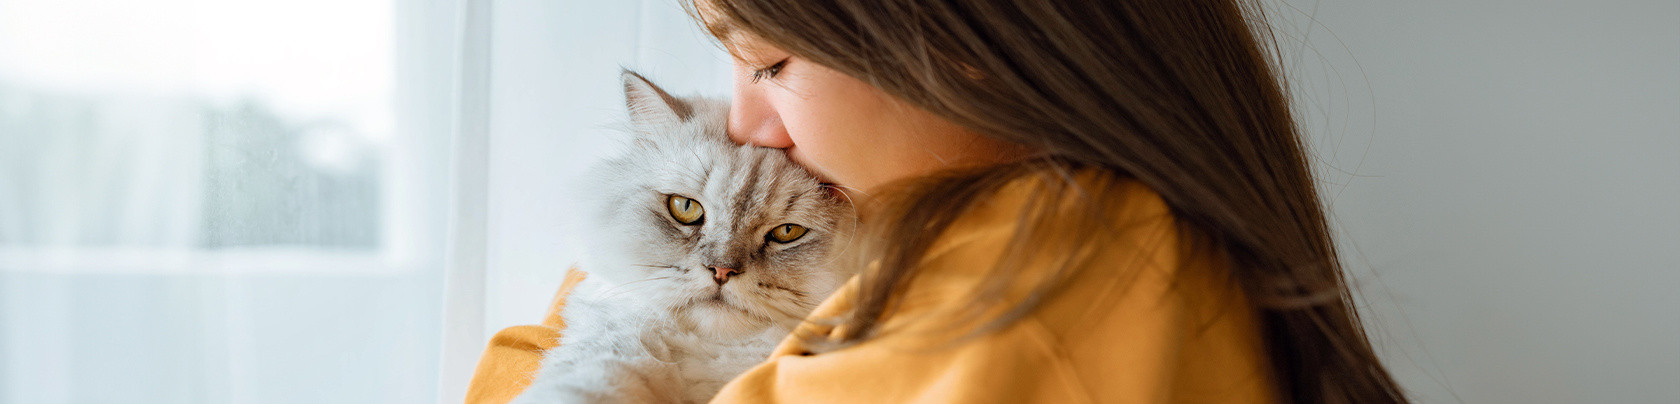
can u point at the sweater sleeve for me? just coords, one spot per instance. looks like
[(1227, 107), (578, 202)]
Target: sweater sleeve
[(1008, 367), (514, 353)]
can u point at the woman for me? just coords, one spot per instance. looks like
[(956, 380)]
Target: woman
[(1067, 201)]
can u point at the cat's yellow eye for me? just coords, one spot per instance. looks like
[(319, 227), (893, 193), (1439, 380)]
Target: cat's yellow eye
[(686, 211), (786, 233)]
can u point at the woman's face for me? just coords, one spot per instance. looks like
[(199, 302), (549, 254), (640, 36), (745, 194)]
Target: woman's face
[(845, 131)]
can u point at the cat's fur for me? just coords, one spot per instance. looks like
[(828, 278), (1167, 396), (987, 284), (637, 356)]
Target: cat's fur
[(649, 323)]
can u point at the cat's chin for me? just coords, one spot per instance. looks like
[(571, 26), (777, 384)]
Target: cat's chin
[(716, 318)]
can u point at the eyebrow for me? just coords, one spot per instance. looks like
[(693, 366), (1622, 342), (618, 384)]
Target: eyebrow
[(725, 35), (723, 30), (720, 26)]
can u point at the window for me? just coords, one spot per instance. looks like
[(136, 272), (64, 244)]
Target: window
[(224, 201)]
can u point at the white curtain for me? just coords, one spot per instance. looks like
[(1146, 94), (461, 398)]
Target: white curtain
[(307, 201)]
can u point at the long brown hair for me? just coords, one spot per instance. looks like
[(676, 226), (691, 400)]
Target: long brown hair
[(1178, 95)]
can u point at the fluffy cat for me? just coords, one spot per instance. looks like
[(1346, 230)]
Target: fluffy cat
[(703, 256)]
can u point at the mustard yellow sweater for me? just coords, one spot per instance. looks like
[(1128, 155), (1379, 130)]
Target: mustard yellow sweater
[(1158, 325)]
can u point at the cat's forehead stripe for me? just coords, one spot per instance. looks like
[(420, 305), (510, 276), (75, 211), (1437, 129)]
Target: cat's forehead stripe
[(747, 189)]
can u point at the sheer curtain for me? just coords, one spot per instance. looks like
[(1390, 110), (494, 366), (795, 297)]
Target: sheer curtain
[(305, 201)]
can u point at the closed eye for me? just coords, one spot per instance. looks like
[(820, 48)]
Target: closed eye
[(769, 72)]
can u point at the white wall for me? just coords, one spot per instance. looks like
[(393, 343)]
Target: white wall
[(1506, 177)]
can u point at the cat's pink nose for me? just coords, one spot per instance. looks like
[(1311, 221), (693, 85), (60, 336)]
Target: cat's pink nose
[(721, 274)]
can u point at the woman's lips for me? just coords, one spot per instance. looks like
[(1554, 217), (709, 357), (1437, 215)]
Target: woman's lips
[(798, 157), (827, 183), (834, 190)]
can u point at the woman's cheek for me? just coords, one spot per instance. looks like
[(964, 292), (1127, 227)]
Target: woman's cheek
[(841, 134), (815, 147)]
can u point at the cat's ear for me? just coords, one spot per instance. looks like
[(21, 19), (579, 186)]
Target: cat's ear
[(651, 106)]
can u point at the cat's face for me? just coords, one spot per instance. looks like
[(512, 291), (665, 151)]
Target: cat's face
[(734, 238)]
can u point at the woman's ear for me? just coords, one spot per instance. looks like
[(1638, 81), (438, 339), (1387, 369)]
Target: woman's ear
[(650, 106)]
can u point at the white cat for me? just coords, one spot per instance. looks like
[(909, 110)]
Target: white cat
[(704, 255)]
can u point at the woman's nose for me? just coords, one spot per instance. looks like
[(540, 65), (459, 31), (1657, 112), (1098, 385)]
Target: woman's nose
[(753, 118)]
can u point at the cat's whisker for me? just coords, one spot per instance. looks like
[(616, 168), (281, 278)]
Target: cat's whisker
[(621, 292), (844, 188), (604, 293), (802, 302), (857, 223)]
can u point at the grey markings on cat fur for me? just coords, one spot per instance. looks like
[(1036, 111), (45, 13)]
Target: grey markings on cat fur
[(650, 323)]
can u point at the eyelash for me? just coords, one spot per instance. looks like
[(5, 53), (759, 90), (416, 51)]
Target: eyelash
[(769, 72)]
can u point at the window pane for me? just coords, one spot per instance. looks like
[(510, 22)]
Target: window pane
[(270, 181), (212, 202), (180, 123)]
